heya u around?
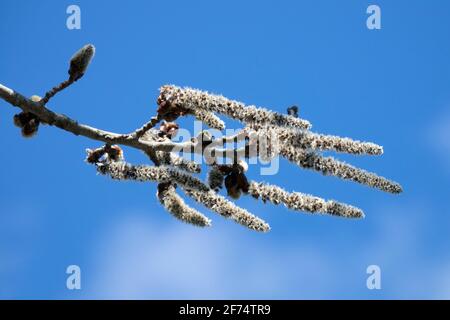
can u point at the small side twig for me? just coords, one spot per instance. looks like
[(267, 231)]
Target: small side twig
[(78, 65)]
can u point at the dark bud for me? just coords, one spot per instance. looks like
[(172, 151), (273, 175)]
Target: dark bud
[(21, 119), (80, 61), (28, 122), (93, 156), (168, 129), (225, 169), (236, 183), (104, 154), (115, 153), (231, 184), (31, 128), (168, 110), (242, 183), (293, 111)]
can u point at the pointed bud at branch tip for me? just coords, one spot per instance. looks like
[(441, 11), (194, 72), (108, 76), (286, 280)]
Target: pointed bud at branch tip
[(80, 61)]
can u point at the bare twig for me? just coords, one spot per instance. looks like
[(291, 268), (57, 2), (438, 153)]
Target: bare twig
[(51, 93), (67, 124), (78, 65), (146, 127)]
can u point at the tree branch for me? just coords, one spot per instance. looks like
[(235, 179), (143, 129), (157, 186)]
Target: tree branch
[(266, 134), (131, 139)]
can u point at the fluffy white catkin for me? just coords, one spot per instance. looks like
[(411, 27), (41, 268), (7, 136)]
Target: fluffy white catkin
[(228, 209), (302, 202), (309, 140), (192, 186), (332, 167), (174, 204), (171, 159), (125, 171), (209, 118), (192, 99)]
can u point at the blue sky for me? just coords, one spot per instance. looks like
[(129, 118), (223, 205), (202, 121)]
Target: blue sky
[(390, 86)]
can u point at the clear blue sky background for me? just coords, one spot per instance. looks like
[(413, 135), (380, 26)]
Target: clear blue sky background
[(391, 86)]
